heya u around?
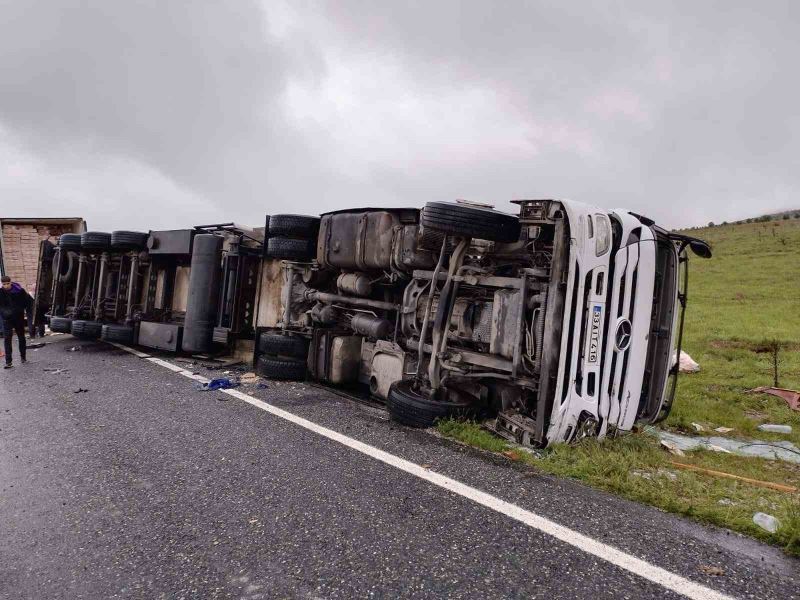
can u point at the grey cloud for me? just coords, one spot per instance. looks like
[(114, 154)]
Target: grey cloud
[(686, 112)]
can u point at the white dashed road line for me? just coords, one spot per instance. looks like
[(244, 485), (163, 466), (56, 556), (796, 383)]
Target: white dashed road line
[(610, 554)]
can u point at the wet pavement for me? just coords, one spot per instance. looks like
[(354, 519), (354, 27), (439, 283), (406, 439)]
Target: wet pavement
[(142, 486)]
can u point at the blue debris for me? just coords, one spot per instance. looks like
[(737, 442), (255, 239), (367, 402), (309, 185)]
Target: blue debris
[(221, 383)]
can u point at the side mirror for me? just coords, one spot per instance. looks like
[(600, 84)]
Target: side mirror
[(700, 248)]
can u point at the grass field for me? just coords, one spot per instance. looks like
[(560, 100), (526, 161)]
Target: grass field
[(741, 302)]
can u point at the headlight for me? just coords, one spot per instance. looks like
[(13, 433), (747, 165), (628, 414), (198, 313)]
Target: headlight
[(602, 234)]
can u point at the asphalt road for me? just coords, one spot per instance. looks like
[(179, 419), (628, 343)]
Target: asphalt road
[(144, 487)]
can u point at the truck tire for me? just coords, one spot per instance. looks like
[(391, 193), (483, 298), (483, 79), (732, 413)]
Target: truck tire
[(70, 241), (408, 407), (95, 240), (291, 249), (87, 330), (277, 344), (128, 240), (301, 227), (121, 334), (69, 266), (281, 368), (60, 325), (470, 221)]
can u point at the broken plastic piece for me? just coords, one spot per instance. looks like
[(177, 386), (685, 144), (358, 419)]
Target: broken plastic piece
[(672, 448), (766, 522), (773, 428), (792, 397)]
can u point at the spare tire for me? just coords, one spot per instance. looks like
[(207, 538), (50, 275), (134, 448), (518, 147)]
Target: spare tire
[(291, 249), (89, 330), (121, 334), (281, 368), (409, 407), (294, 226), (278, 344), (129, 240), (95, 240), (70, 241), (60, 324), (470, 221)]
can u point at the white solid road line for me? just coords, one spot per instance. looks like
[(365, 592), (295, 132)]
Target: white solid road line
[(671, 581)]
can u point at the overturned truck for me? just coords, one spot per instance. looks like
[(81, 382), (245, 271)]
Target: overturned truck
[(561, 322), (557, 323)]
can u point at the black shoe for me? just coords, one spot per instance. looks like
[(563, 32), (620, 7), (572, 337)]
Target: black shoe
[(23, 360), (8, 366)]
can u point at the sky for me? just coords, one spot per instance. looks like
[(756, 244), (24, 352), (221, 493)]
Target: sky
[(159, 114)]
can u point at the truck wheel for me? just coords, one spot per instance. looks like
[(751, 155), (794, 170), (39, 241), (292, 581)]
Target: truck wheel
[(281, 368), (294, 226), (60, 324), (70, 241), (409, 407), (470, 221), (277, 344), (128, 240), (88, 330), (95, 240), (291, 249), (69, 266), (117, 333)]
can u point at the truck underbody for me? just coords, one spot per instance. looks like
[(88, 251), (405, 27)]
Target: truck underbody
[(557, 323)]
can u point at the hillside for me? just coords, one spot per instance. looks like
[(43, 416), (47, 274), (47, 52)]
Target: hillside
[(742, 300)]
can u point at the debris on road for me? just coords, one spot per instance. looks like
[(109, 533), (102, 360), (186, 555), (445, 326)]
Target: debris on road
[(249, 378), (712, 570), (766, 522), (221, 383), (774, 428), (74, 349), (55, 371), (80, 391), (723, 429), (792, 397)]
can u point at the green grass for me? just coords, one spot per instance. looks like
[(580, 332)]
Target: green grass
[(748, 294), (745, 297), (636, 468)]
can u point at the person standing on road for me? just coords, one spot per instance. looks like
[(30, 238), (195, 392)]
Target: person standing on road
[(14, 303)]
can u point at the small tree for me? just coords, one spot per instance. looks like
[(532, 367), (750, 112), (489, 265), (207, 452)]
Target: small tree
[(711, 223)]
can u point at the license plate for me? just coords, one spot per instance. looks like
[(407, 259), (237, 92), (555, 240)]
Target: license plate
[(594, 338)]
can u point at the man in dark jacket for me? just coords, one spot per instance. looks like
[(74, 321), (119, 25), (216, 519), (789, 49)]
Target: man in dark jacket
[(14, 303)]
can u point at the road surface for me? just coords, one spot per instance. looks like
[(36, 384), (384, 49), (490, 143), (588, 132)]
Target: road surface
[(144, 487)]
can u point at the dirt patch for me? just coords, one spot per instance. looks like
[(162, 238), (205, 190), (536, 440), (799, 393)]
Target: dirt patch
[(761, 347)]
